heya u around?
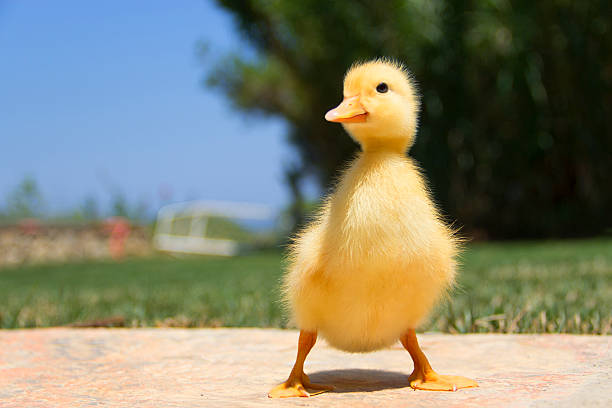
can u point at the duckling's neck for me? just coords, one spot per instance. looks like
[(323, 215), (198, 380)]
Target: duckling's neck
[(386, 146)]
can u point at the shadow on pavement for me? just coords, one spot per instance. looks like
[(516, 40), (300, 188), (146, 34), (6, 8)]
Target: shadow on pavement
[(359, 380)]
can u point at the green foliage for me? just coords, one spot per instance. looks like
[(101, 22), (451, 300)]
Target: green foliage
[(25, 200), (547, 287), (515, 135), (89, 209), (121, 207)]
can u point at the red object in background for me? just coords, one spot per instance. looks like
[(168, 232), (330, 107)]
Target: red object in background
[(119, 230), (30, 226)]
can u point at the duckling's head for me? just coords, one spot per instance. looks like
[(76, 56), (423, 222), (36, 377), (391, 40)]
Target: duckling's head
[(380, 106)]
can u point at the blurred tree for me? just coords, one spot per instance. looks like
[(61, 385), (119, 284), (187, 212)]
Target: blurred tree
[(515, 133), (119, 205), (25, 200), (90, 209)]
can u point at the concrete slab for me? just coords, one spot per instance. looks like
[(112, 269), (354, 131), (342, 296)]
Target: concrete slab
[(63, 367)]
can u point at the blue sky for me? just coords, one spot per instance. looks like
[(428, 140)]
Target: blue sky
[(98, 96)]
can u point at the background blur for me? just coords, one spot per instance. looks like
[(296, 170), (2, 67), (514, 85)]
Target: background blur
[(111, 110), (515, 134), (105, 106), (102, 103)]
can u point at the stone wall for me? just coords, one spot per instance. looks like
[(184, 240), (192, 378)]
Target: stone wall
[(34, 242)]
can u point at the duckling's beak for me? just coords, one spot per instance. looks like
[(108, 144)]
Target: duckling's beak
[(349, 111)]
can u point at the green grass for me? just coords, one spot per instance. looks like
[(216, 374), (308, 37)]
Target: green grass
[(561, 286), (539, 287)]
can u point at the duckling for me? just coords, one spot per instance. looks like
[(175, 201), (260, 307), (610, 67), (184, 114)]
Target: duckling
[(366, 272)]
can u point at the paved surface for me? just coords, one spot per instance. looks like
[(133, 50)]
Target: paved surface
[(236, 367)]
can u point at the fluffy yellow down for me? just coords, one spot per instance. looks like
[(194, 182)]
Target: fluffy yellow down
[(377, 257)]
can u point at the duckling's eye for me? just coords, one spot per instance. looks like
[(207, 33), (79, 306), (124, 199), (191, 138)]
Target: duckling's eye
[(382, 87)]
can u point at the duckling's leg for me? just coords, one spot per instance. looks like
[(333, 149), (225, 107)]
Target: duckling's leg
[(424, 377), (296, 384)]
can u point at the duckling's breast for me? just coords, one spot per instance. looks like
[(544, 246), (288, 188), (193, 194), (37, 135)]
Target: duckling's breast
[(367, 308)]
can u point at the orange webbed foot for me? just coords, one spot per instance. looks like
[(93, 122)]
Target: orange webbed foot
[(297, 387), (433, 381), (423, 377)]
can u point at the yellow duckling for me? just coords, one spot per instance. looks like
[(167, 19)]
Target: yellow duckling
[(376, 259)]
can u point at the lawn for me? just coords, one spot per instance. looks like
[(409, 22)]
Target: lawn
[(561, 286)]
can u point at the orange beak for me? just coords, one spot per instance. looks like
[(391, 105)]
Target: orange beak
[(349, 111)]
